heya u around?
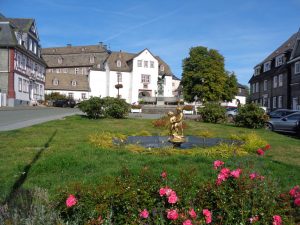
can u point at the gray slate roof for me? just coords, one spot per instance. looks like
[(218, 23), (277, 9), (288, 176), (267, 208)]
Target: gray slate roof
[(7, 36), (65, 82), (174, 77)]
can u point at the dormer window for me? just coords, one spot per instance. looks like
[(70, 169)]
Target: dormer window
[(55, 82), (267, 66), (74, 83), (162, 68), (257, 71), (119, 64), (92, 59), (59, 60), (279, 60)]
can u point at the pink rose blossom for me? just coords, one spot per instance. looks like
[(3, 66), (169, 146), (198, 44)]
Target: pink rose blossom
[(164, 174), (144, 214), (168, 191), (294, 191), (261, 177), (252, 176), (172, 214), (172, 199), (217, 164), (187, 222), (192, 213), (225, 171), (254, 219), (236, 173), (71, 201), (267, 147), (260, 151), (162, 192), (277, 220), (207, 215), (297, 201)]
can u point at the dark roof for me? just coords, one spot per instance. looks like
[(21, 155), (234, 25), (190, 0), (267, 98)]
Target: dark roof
[(286, 46), (241, 86), (7, 36), (124, 57), (175, 78), (21, 24), (75, 56), (65, 82), (167, 71)]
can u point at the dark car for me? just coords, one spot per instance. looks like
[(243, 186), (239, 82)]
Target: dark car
[(290, 123), (281, 113), (64, 103)]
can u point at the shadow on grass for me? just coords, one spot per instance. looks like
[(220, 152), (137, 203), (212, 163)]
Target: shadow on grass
[(22, 178)]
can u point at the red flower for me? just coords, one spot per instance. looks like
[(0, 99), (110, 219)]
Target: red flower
[(187, 222), (164, 174), (207, 215), (71, 201), (277, 220), (295, 191), (217, 164), (162, 192), (252, 176), (297, 201), (172, 199), (172, 214), (236, 173), (192, 213), (260, 151), (144, 214), (267, 147)]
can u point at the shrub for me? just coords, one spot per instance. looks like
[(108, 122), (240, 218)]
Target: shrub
[(115, 107), (212, 113), (251, 116), (161, 122), (136, 106), (92, 107), (188, 107), (54, 96)]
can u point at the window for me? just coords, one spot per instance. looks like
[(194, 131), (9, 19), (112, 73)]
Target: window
[(267, 66), (279, 60), (65, 70), (151, 64), (76, 70), (74, 83), (275, 82), (253, 88), (297, 67), (83, 95), (20, 84), (30, 44), (119, 77), (146, 64), (162, 68), (280, 82), (119, 64), (59, 60), (265, 101), (145, 86), (41, 90), (58, 70), (173, 84), (294, 117), (139, 63), (55, 82), (257, 87), (279, 101), (257, 71), (265, 85), (34, 48), (274, 102), (240, 90), (71, 95), (92, 59), (145, 78)]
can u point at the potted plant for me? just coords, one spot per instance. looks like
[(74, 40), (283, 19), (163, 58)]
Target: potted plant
[(188, 110), (136, 108)]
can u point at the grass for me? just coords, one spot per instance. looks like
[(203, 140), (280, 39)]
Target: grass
[(57, 154)]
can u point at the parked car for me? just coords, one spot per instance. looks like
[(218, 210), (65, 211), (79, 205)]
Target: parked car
[(64, 103), (231, 114), (290, 123), (281, 113)]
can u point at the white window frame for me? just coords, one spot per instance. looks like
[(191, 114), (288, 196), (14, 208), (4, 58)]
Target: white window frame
[(59, 60), (71, 95), (119, 77), (145, 64), (257, 71), (265, 85), (279, 60), (297, 67), (119, 63), (139, 63), (55, 82), (145, 78), (280, 80), (151, 64), (275, 81), (30, 44), (162, 68), (267, 66), (65, 70), (74, 83), (76, 70), (20, 84), (92, 59), (274, 102), (58, 70), (279, 102), (83, 95)]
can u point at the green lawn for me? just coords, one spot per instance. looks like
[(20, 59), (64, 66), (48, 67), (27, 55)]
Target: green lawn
[(57, 154)]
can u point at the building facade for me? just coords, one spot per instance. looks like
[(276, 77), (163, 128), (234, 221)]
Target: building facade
[(105, 73), (22, 71), (239, 99), (275, 82)]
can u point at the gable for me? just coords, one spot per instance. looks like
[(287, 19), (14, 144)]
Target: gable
[(145, 54), (33, 30)]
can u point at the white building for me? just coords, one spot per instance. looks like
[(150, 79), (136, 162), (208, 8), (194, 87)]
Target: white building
[(84, 71)]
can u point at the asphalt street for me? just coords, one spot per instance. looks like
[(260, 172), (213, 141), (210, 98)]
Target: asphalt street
[(15, 118)]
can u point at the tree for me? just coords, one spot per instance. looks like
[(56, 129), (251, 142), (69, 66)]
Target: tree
[(204, 76)]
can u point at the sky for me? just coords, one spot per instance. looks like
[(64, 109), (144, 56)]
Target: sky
[(244, 32)]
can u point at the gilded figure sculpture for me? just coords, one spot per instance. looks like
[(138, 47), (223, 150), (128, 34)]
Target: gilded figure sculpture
[(176, 129)]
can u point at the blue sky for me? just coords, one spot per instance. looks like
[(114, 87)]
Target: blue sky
[(244, 32)]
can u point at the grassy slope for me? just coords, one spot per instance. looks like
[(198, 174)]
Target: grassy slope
[(69, 158)]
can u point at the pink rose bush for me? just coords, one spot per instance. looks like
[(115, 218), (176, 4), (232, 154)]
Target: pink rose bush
[(295, 195), (71, 201), (144, 214), (277, 220), (207, 215)]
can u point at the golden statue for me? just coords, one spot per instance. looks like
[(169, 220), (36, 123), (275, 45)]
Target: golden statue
[(176, 129)]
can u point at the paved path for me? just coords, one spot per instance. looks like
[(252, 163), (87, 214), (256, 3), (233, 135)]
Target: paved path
[(19, 117)]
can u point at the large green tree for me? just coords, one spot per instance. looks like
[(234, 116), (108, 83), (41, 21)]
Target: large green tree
[(204, 76)]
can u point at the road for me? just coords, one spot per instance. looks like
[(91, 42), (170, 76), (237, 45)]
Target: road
[(15, 118)]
